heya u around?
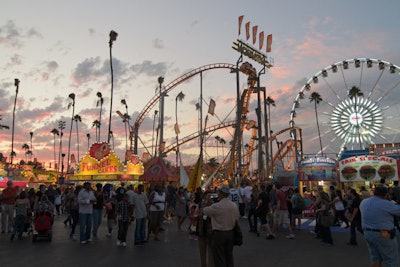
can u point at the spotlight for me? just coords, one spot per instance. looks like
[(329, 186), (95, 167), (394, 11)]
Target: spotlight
[(369, 63), (381, 65), (357, 63), (345, 65), (324, 73), (315, 79), (392, 69), (334, 68)]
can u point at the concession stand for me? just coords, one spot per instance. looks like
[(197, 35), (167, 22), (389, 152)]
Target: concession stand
[(101, 164)]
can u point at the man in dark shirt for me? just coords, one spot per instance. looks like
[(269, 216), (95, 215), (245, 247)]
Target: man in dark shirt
[(354, 217)]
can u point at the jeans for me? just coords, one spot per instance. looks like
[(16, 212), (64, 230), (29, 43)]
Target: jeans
[(355, 225), (382, 249), (252, 218), (140, 230), (7, 216), (97, 214), (85, 226), (19, 225), (122, 230)]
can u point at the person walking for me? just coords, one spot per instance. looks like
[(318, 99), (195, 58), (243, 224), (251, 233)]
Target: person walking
[(377, 215), (140, 203), (86, 199), (98, 208), (8, 198), (224, 215), (281, 215), (124, 212), (354, 217)]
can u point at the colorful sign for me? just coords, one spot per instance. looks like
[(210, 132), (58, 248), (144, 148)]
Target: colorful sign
[(108, 165), (317, 169), (368, 168)]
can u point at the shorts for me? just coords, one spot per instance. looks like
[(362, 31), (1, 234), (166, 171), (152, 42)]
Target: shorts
[(382, 249), (281, 216)]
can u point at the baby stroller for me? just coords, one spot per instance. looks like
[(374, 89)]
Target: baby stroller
[(42, 226)]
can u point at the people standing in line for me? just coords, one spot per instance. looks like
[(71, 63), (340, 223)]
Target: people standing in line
[(281, 215), (157, 208), (338, 204), (140, 203), (205, 233), (224, 215), (180, 208), (86, 199), (22, 207), (377, 215), (124, 211), (98, 208), (8, 198), (354, 217)]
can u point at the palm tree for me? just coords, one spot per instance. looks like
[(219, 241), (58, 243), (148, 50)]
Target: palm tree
[(2, 126), (16, 83), (125, 120), (100, 102), (31, 135), (55, 132), (113, 36), (179, 98), (29, 155), (88, 140), (71, 104), (222, 142), (26, 148), (355, 92), (61, 127), (217, 138), (97, 124), (316, 98), (77, 119)]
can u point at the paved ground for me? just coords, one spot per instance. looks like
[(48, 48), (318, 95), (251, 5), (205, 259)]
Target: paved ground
[(176, 249)]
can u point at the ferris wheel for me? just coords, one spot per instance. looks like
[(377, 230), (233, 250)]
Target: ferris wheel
[(350, 104)]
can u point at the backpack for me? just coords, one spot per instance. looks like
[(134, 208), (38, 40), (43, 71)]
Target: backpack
[(300, 204)]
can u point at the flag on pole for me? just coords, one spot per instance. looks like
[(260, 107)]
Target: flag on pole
[(261, 40), (247, 30), (269, 42), (194, 178), (176, 127), (255, 28), (211, 107), (240, 22)]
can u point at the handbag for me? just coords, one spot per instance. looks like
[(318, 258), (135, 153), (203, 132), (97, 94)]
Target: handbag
[(237, 235), (327, 220)]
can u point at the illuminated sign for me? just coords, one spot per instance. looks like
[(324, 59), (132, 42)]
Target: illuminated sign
[(107, 165), (252, 53)]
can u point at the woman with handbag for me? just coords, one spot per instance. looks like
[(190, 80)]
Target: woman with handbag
[(325, 220)]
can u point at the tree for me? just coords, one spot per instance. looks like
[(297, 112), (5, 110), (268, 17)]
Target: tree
[(77, 119), (354, 93), (55, 132), (100, 102), (71, 104), (179, 98), (217, 138), (113, 36), (31, 135), (2, 126), (26, 148), (222, 142), (213, 162), (316, 98), (97, 125), (13, 154), (88, 140), (61, 127)]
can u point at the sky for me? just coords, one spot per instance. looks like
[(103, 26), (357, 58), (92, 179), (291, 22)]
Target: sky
[(60, 47)]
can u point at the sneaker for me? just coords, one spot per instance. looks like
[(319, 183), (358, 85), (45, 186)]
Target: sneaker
[(83, 242), (90, 240), (290, 236), (123, 244), (118, 243)]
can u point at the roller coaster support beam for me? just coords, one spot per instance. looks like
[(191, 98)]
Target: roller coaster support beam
[(238, 133)]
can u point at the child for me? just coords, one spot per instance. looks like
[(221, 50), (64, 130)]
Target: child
[(124, 211)]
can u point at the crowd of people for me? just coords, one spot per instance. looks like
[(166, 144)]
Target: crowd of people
[(211, 215)]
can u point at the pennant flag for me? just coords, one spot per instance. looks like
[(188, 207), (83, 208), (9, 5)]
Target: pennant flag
[(269, 42), (261, 40), (240, 22), (211, 107), (176, 127), (255, 28), (194, 178), (184, 180), (247, 30), (250, 125)]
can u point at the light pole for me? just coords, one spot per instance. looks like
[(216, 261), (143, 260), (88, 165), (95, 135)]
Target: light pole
[(16, 83), (161, 124), (113, 36)]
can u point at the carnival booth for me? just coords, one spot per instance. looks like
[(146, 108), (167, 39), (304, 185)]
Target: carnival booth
[(157, 172), (101, 164), (367, 170), (316, 171)]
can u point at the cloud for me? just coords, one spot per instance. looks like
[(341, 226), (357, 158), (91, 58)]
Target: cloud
[(13, 36), (149, 68)]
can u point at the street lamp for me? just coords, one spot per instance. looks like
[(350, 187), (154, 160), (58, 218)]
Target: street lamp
[(113, 37)]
